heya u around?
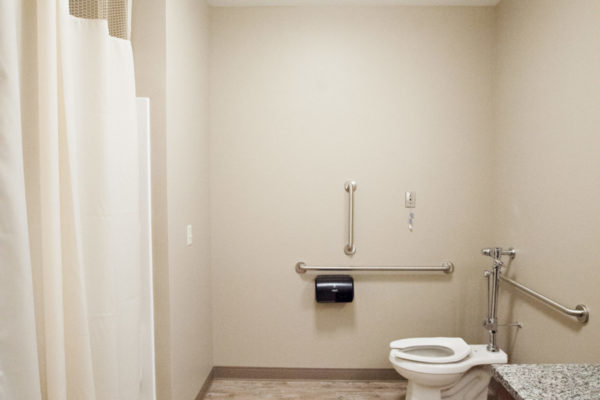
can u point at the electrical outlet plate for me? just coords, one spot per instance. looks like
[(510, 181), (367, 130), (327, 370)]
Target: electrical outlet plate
[(189, 237)]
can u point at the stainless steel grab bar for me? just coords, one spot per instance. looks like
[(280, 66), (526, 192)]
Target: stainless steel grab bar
[(581, 312), (447, 267), (350, 248)]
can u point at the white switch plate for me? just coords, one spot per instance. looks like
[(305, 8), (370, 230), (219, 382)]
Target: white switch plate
[(189, 235), (410, 200)]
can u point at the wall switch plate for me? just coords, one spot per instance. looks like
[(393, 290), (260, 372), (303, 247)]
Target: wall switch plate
[(410, 200), (189, 235)]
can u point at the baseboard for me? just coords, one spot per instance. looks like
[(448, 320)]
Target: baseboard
[(206, 385), (374, 374)]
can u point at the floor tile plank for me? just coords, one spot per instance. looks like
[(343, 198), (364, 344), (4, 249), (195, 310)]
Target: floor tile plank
[(305, 389)]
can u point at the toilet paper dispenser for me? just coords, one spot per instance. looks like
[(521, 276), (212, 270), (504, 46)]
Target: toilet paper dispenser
[(334, 289)]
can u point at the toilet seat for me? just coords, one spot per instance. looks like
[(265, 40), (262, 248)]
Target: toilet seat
[(431, 350), (479, 355)]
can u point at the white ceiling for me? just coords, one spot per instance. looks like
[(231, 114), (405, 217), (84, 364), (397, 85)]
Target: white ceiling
[(255, 3)]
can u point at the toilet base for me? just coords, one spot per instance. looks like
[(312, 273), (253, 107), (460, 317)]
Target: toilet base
[(414, 391), (471, 386)]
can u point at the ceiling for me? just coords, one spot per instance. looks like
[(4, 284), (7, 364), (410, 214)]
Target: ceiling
[(255, 3)]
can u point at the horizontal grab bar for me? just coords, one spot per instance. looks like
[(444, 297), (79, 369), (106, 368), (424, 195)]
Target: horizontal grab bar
[(580, 311), (447, 267)]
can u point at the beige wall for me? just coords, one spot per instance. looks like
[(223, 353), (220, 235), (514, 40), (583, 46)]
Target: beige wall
[(170, 49), (187, 191), (149, 53), (547, 171), (302, 99), (450, 102)]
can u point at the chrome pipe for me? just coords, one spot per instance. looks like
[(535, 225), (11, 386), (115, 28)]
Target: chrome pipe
[(493, 276), (494, 304), (492, 345), (491, 323), (580, 312), (447, 267), (488, 276), (350, 248)]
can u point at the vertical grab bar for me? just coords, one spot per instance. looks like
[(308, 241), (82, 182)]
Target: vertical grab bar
[(350, 187)]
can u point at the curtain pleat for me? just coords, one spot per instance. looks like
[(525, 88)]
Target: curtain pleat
[(19, 374), (73, 205)]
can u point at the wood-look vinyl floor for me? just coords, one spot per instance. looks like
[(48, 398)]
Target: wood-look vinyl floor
[(238, 389)]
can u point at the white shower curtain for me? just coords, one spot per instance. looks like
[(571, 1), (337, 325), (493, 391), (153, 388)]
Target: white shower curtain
[(69, 208)]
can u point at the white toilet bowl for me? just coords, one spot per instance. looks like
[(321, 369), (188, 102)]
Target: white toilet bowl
[(432, 365)]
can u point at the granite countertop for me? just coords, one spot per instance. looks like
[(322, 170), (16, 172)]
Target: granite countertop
[(550, 381)]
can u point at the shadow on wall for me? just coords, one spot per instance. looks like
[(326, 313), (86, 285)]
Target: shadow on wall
[(336, 317), (328, 317)]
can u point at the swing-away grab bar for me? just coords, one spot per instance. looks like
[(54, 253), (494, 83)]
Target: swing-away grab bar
[(581, 312)]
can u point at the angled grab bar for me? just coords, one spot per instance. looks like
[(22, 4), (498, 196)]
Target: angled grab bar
[(350, 248), (580, 312), (447, 267)]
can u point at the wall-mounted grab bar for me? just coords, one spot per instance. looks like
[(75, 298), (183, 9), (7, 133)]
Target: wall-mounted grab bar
[(447, 267), (350, 248), (581, 312)]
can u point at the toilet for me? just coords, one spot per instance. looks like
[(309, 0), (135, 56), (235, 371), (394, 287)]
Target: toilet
[(436, 367)]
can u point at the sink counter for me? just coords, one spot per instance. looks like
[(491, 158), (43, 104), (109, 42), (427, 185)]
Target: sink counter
[(549, 381)]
